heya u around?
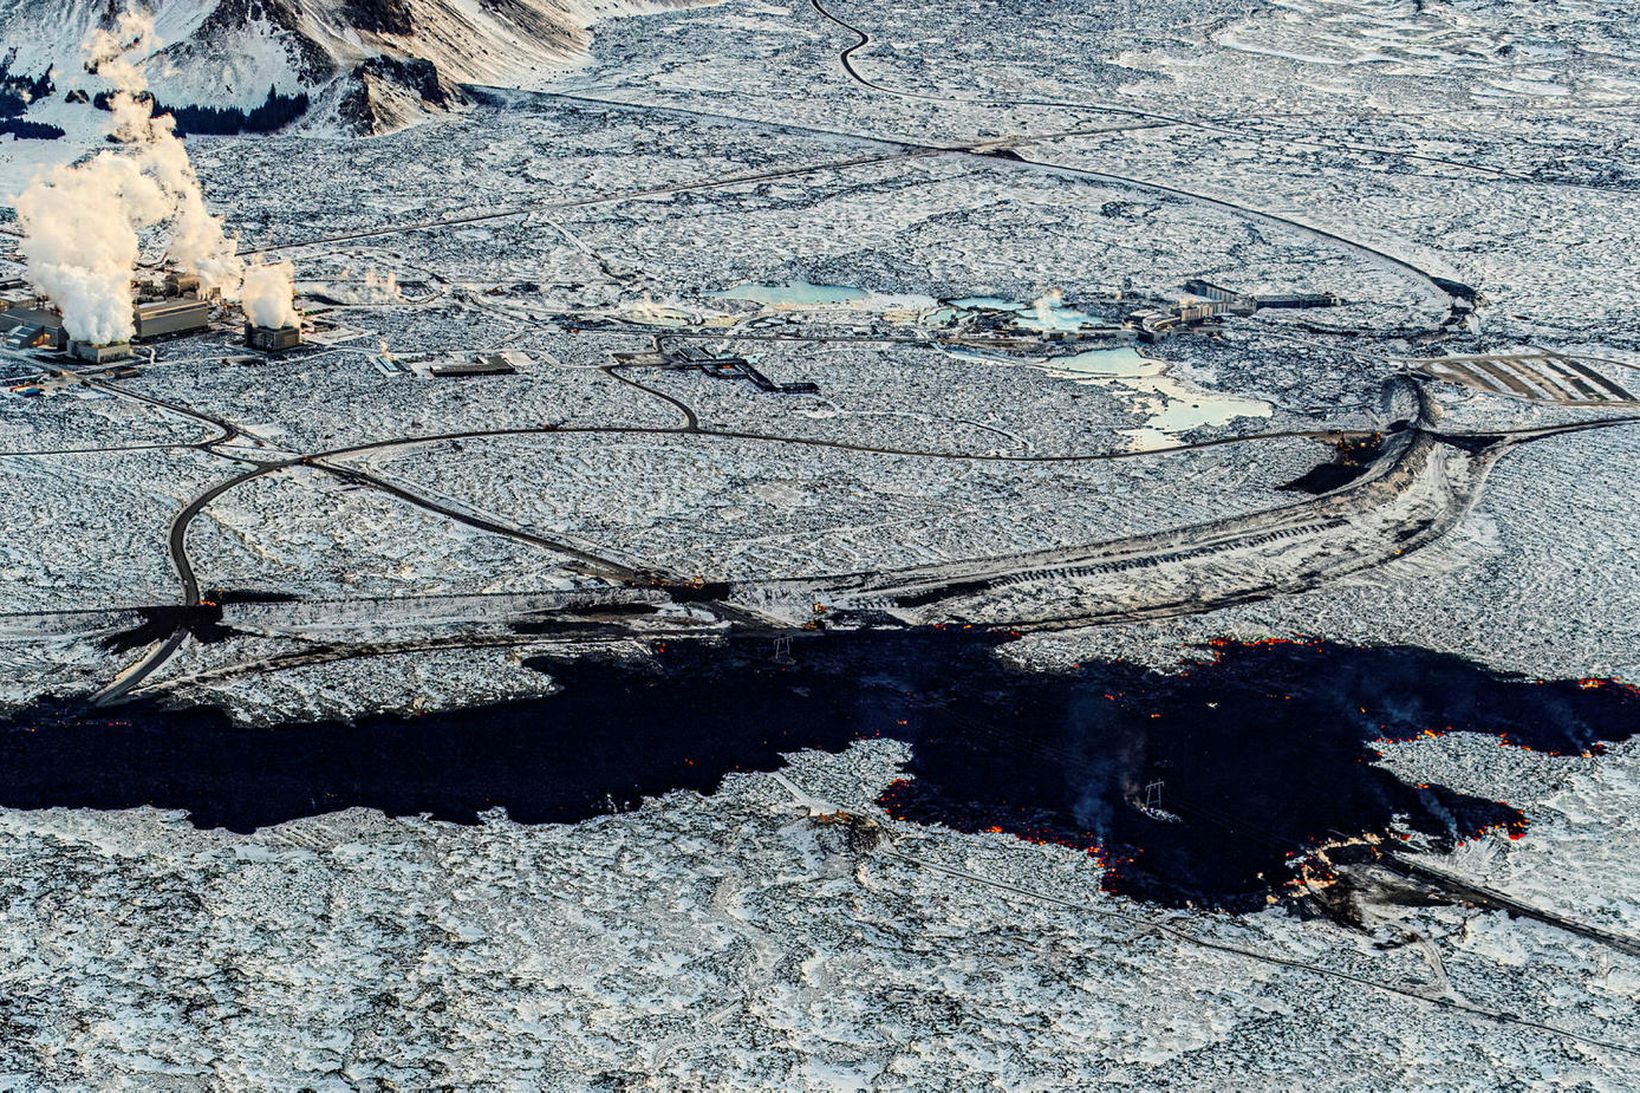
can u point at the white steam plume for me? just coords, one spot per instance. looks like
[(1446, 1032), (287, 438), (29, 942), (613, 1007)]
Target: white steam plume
[(267, 294), (1043, 306), (80, 240), (108, 52), (198, 244), (81, 222)]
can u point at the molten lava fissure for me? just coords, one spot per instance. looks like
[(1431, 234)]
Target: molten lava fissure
[(1260, 770)]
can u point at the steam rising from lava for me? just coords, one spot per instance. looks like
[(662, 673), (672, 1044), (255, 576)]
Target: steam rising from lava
[(81, 222)]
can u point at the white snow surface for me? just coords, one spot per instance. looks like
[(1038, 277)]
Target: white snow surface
[(229, 52), (729, 942)]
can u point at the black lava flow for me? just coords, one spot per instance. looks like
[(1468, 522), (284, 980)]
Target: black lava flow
[(1195, 787), (202, 621)]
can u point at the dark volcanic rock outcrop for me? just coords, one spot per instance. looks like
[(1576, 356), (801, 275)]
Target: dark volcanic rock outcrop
[(367, 65)]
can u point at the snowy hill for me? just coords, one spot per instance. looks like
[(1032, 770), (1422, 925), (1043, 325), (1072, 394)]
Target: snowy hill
[(370, 65)]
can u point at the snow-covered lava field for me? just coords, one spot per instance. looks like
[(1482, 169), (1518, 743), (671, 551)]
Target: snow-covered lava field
[(836, 546)]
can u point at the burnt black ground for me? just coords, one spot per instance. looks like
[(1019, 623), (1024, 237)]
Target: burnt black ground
[(1259, 754), (203, 621)]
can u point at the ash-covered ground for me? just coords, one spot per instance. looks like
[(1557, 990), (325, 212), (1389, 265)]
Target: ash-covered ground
[(862, 629)]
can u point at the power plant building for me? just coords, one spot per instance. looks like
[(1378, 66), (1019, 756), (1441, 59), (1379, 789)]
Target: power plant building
[(15, 293), (272, 339), (32, 328), (178, 316), (26, 323), (181, 284), (99, 354)]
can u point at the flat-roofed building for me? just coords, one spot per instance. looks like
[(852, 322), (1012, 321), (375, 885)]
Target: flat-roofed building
[(181, 284), (272, 339), (180, 316), (99, 354), (44, 328), (488, 365)]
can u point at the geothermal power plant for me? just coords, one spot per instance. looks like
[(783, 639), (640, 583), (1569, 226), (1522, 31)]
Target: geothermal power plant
[(174, 307), (85, 225)]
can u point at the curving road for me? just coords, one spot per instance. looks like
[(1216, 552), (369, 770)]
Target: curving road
[(1316, 540), (605, 568), (1423, 483), (1420, 276), (1223, 126)]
